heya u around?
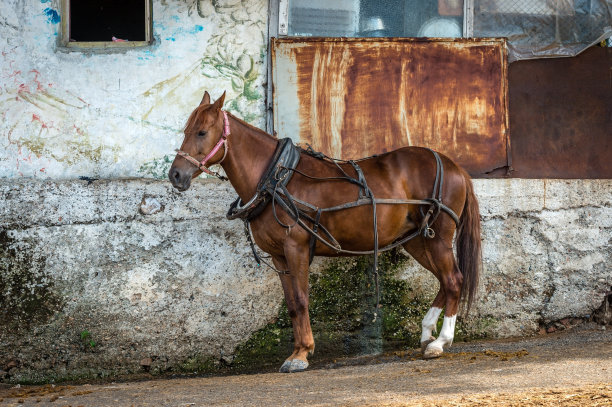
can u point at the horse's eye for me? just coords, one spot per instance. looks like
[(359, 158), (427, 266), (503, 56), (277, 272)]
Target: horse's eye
[(202, 133)]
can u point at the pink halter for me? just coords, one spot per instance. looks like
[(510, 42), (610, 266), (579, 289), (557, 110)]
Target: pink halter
[(222, 142)]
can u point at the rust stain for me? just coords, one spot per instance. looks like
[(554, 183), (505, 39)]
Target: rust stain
[(365, 96)]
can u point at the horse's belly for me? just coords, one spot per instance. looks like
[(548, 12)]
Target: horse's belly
[(354, 229)]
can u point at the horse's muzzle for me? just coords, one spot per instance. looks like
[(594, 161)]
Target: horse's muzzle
[(179, 180)]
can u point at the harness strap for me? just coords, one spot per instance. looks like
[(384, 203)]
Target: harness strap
[(248, 234), (364, 191), (313, 241), (436, 201), (290, 207), (258, 258)]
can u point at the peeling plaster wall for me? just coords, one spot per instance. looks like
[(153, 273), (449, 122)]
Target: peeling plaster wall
[(109, 114)]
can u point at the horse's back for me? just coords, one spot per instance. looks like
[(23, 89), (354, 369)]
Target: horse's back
[(405, 173), (413, 170)]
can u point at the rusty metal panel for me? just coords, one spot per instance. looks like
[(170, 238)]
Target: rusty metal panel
[(353, 97), (561, 116)]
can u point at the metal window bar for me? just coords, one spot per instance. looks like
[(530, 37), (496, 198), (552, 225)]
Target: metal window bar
[(468, 18)]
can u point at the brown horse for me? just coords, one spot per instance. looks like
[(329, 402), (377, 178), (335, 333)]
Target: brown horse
[(404, 174)]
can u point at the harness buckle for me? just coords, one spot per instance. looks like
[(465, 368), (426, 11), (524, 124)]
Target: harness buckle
[(429, 233)]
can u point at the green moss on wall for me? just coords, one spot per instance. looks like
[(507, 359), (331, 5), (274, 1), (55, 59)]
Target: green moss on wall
[(26, 294), (342, 305), (157, 168)]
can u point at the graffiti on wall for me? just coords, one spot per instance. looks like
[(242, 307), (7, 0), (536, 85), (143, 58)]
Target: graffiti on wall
[(69, 114)]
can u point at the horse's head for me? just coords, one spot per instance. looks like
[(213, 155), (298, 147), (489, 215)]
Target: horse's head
[(203, 131)]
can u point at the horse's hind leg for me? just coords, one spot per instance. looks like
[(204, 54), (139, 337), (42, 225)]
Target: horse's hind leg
[(437, 256), (451, 281), (430, 320)]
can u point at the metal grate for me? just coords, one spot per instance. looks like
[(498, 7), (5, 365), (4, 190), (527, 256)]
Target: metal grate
[(329, 22)]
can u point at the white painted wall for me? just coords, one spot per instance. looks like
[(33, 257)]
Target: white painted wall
[(105, 115)]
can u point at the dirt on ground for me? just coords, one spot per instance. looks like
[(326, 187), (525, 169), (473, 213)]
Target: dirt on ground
[(572, 368)]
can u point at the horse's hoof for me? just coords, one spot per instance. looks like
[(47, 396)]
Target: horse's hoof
[(298, 365), (286, 367), (425, 343), (432, 352)]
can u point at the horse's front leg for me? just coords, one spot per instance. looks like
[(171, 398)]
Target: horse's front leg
[(295, 287)]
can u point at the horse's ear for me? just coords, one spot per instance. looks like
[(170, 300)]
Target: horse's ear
[(205, 99), (219, 102)]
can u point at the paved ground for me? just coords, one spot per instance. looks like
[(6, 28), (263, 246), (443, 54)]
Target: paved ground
[(563, 369)]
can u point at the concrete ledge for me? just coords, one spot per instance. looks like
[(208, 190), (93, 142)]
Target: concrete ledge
[(93, 286)]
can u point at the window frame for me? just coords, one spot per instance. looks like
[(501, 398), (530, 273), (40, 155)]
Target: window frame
[(104, 45)]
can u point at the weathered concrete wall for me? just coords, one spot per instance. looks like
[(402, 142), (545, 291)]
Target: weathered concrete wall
[(81, 259), (119, 114), (91, 286)]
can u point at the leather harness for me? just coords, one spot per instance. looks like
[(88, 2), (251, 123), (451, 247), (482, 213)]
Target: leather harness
[(277, 174), (272, 188)]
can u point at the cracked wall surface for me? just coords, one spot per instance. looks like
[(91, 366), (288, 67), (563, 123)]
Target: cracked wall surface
[(179, 285), (171, 285), (551, 258)]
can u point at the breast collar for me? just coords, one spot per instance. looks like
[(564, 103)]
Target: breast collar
[(278, 173)]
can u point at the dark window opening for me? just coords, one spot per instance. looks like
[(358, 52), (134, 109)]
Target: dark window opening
[(108, 20)]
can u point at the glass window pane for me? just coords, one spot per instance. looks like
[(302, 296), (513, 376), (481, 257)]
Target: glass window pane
[(376, 18)]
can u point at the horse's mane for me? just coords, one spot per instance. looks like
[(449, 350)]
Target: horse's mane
[(251, 127)]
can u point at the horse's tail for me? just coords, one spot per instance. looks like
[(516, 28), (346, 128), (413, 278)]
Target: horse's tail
[(468, 245)]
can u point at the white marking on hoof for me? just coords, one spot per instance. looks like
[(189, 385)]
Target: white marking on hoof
[(432, 352), (425, 343), (447, 333), (429, 323), (298, 365), (286, 367)]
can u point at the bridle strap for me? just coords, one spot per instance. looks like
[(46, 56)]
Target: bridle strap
[(222, 142)]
